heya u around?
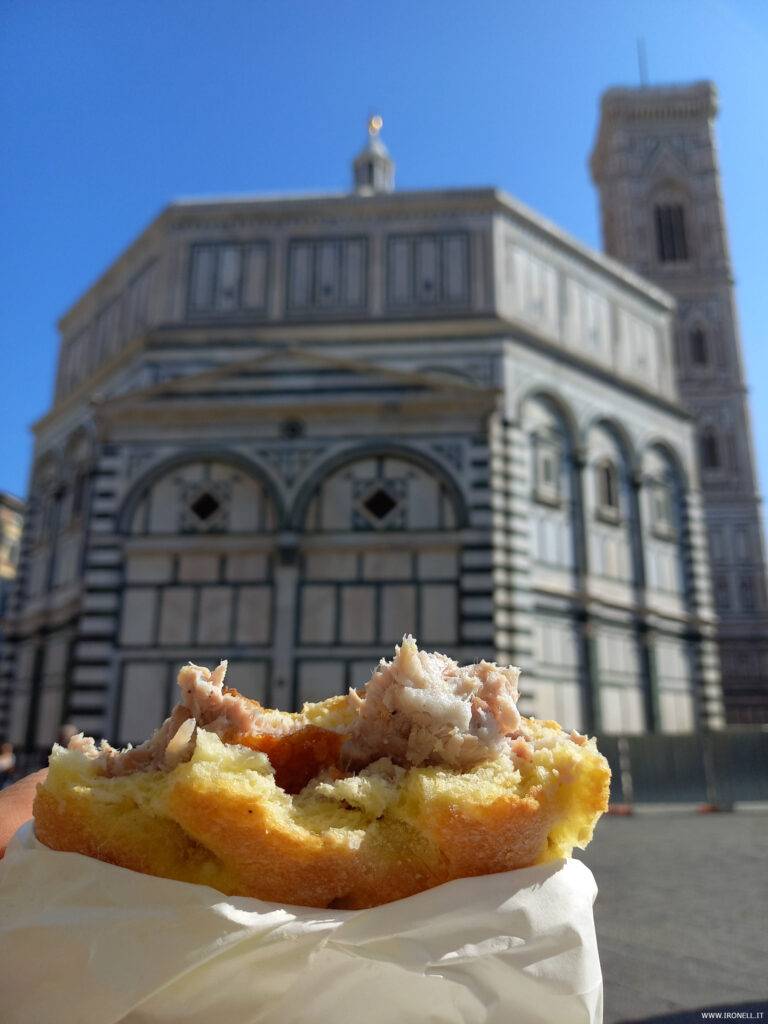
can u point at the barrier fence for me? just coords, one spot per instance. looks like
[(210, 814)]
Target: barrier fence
[(707, 768)]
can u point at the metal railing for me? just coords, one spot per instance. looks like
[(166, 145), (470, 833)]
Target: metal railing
[(709, 768)]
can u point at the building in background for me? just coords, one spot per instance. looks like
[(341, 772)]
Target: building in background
[(655, 164), (11, 523), (286, 431)]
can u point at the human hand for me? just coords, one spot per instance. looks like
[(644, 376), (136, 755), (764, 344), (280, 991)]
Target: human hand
[(16, 805)]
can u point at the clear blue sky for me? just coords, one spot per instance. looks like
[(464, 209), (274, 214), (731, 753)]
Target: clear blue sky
[(111, 109)]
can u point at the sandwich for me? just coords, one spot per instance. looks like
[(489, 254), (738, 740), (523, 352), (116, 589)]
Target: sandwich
[(425, 774)]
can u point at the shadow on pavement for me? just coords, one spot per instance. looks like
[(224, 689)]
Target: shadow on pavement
[(729, 1011)]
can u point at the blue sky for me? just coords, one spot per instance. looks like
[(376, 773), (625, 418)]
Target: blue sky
[(109, 110)]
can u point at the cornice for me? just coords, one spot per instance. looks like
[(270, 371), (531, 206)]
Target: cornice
[(12, 502), (616, 270), (540, 343), (380, 329), (192, 413), (639, 105), (349, 206), (46, 617), (84, 391), (660, 102), (289, 335), (284, 334), (135, 255)]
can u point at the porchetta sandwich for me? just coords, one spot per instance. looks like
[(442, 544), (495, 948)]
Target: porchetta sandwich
[(426, 774)]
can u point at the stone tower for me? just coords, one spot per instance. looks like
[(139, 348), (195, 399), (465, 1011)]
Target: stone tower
[(655, 165)]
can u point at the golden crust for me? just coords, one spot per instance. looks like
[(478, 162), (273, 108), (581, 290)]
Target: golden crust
[(221, 820)]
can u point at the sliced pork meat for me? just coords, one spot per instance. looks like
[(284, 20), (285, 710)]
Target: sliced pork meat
[(169, 745), (204, 703), (418, 709), (424, 708), (226, 712)]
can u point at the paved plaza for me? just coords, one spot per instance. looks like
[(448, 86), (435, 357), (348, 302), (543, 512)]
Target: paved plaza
[(681, 914)]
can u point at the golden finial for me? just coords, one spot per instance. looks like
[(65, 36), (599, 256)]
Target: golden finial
[(375, 124)]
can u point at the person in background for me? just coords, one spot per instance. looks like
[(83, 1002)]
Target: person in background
[(7, 764), (66, 732)]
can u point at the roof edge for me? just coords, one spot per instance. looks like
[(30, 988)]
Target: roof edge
[(490, 197)]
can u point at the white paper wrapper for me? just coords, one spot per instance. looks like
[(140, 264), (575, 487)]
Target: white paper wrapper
[(85, 941)]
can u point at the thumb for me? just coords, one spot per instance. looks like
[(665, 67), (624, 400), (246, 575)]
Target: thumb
[(16, 805)]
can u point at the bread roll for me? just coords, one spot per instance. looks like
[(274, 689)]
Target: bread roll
[(426, 774)]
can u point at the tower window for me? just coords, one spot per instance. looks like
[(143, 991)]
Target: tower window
[(709, 449), (722, 593), (699, 348), (671, 239), (79, 488), (741, 536), (52, 519), (747, 594)]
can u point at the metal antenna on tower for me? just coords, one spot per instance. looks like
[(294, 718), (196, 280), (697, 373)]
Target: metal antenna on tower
[(642, 62)]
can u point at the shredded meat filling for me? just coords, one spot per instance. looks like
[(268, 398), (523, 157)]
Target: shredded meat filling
[(418, 709), (208, 704), (424, 708), (150, 756)]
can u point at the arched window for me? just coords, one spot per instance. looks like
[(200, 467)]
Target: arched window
[(671, 236), (78, 461), (59, 499), (699, 347), (204, 496), (709, 447), (747, 594), (79, 491), (607, 487), (548, 460), (552, 522), (381, 492), (662, 506), (662, 509)]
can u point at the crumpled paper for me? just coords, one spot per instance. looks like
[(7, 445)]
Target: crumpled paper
[(85, 941)]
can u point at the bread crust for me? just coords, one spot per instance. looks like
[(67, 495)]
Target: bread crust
[(217, 822)]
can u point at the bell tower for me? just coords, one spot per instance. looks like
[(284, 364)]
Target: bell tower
[(655, 166)]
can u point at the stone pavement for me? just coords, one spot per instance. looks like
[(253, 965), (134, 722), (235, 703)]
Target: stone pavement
[(681, 914)]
